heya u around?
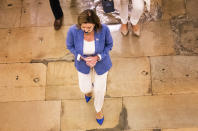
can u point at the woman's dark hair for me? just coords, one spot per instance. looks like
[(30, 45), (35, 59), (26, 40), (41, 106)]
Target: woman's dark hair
[(89, 16)]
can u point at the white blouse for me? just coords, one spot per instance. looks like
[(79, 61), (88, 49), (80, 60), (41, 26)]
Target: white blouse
[(89, 47)]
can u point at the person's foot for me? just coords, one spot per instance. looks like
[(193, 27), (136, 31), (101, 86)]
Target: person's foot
[(58, 23), (100, 117), (88, 97), (124, 29), (136, 30)]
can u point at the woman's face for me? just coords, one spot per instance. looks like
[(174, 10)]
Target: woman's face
[(87, 27)]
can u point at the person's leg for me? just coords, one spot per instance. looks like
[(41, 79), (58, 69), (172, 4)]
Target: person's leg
[(99, 91), (124, 11), (138, 9), (124, 16), (85, 83), (58, 13), (56, 9)]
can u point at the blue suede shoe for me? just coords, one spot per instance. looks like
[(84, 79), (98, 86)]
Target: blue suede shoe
[(87, 98), (100, 121)]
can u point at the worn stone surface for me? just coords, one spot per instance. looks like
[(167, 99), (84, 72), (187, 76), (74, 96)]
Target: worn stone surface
[(156, 9), (185, 35), (83, 114), (10, 13), (156, 39), (62, 73), (36, 13), (63, 92), (173, 30), (62, 81), (189, 39), (182, 129), (30, 116), (36, 43), (172, 8), (166, 112), (139, 130), (10, 4), (10, 17), (174, 74), (4, 41), (191, 7), (71, 9), (22, 82), (133, 78)]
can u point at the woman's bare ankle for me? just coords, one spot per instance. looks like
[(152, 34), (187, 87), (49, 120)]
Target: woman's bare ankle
[(99, 115), (89, 94)]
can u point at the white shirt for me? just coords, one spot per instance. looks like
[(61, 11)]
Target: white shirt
[(89, 47)]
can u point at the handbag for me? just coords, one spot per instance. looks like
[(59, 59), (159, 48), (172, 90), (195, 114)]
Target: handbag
[(108, 6)]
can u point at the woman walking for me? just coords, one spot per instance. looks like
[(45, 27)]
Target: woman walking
[(90, 42)]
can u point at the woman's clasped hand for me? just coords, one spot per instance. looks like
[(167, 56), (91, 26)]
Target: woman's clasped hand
[(91, 60)]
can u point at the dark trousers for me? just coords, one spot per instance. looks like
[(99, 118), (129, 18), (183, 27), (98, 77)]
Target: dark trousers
[(56, 8)]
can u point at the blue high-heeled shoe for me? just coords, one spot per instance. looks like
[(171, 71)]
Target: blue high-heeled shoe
[(100, 121), (87, 98)]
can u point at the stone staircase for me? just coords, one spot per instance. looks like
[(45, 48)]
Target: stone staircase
[(152, 86)]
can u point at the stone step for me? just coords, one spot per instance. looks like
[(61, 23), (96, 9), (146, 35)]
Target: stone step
[(37, 13), (30, 116), (62, 81), (22, 82), (4, 37), (129, 77), (192, 10), (34, 43), (156, 39), (182, 129), (79, 115), (174, 74), (171, 8), (146, 113), (162, 112), (28, 44), (168, 75)]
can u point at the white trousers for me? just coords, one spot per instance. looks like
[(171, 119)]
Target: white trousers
[(99, 88), (137, 10)]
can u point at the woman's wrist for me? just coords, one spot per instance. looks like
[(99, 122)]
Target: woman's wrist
[(82, 58), (97, 58)]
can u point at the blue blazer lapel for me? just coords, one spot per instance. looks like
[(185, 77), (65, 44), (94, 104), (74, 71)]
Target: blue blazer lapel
[(96, 38), (80, 41)]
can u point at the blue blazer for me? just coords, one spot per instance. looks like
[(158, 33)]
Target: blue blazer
[(103, 44)]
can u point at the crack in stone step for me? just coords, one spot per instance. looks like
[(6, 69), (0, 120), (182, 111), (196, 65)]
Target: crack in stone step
[(156, 129), (67, 58)]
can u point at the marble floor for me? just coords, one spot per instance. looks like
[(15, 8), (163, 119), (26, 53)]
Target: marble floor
[(152, 86)]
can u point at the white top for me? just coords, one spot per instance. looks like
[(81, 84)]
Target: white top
[(89, 47)]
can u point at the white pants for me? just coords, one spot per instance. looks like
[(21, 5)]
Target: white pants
[(137, 10), (99, 89)]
